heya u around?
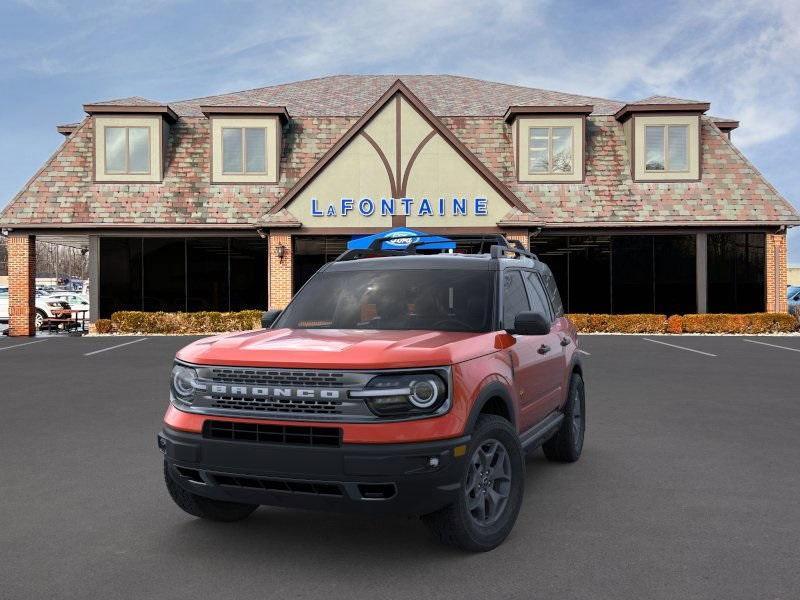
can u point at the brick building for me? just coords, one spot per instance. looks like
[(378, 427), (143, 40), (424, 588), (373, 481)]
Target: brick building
[(232, 201)]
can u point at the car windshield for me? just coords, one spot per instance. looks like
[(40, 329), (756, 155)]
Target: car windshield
[(450, 300)]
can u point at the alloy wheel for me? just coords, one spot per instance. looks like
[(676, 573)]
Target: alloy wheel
[(488, 482)]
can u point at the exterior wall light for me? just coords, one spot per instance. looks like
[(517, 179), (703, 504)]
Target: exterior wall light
[(280, 252)]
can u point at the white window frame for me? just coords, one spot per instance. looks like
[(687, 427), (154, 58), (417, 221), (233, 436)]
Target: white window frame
[(243, 129), (127, 129), (550, 129), (520, 133), (665, 148)]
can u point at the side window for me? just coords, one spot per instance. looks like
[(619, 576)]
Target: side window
[(515, 300), (552, 292), (537, 294)]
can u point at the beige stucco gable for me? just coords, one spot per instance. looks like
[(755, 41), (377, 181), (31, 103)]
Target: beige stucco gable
[(398, 164)]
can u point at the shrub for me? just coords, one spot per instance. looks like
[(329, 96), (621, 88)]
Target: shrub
[(746, 323), (706, 323), (619, 323), (197, 322), (675, 324), (103, 326)]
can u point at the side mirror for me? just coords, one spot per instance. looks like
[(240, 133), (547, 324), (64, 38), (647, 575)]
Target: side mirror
[(531, 323), (268, 318)]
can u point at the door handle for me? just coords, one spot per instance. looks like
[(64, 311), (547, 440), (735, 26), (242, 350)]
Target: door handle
[(543, 349), (565, 341)]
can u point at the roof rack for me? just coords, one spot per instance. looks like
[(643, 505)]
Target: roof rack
[(498, 246)]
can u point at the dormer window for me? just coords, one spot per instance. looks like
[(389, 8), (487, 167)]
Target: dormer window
[(550, 150), (127, 150), (666, 148), (245, 143), (548, 142)]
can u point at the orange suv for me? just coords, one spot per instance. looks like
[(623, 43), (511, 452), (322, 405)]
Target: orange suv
[(396, 381)]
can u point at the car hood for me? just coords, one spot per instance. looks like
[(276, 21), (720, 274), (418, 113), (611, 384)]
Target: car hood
[(340, 348)]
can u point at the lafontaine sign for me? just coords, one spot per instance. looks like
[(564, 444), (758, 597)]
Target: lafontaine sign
[(422, 207)]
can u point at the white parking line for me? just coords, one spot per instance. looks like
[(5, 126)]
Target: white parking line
[(584, 352), (771, 345), (113, 347), (680, 347), (20, 345)]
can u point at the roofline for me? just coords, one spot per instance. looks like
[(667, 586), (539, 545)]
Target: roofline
[(67, 130), (280, 111), (689, 107), (581, 109), (131, 109), (725, 124), (399, 87)]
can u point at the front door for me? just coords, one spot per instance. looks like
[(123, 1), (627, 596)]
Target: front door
[(534, 358)]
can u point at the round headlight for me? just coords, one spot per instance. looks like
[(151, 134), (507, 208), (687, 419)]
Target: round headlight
[(424, 393), (183, 379)]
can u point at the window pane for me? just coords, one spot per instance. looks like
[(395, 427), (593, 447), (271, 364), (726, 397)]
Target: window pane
[(678, 140), (207, 274), (675, 279), (590, 274), (515, 299), (552, 251), (248, 273), (115, 149), (138, 149), (736, 272), (255, 139), (231, 150), (562, 149), (654, 148), (164, 277), (538, 150), (632, 274), (120, 271), (536, 295)]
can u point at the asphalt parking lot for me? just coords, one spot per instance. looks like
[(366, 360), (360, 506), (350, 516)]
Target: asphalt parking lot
[(688, 488)]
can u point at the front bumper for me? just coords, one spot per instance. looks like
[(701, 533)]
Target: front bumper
[(416, 478)]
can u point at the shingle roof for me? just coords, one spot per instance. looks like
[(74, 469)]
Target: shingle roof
[(352, 95), (665, 100), (63, 193), (130, 101)]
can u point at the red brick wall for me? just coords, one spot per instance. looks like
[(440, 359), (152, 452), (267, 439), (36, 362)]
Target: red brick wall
[(21, 284), (776, 273), (520, 235), (280, 271)]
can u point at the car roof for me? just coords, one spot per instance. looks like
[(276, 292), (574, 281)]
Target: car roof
[(475, 262)]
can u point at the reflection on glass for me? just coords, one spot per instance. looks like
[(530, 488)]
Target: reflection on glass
[(538, 150), (115, 150), (654, 148), (138, 150), (231, 150), (255, 149), (678, 146), (562, 149)]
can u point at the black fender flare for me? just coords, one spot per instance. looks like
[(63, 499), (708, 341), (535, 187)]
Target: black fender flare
[(494, 389)]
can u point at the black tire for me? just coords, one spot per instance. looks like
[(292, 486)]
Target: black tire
[(39, 318), (455, 525), (567, 444), (205, 508)]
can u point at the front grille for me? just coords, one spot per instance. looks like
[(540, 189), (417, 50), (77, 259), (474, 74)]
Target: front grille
[(276, 377), (273, 434), (277, 405), (279, 485)]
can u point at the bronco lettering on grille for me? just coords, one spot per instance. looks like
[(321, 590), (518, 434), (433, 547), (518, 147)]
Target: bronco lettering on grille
[(276, 392)]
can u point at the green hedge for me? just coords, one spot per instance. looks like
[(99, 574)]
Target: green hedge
[(197, 322)]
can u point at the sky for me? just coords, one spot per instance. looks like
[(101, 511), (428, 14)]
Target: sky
[(739, 55)]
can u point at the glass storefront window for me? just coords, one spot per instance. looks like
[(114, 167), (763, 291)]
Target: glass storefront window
[(736, 272), (180, 274)]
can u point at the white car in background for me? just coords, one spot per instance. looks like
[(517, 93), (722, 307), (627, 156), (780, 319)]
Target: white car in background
[(76, 301), (46, 307)]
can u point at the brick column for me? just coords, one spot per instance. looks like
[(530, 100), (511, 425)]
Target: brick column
[(280, 270), (775, 273), (521, 235), (21, 284)]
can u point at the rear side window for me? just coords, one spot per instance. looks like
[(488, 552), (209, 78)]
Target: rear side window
[(537, 295), (515, 299), (552, 292)]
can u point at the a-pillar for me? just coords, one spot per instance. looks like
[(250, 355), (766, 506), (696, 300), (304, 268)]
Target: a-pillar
[(279, 260), (776, 273), (21, 284)]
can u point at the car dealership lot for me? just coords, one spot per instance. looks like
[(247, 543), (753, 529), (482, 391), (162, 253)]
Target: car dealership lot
[(687, 488)]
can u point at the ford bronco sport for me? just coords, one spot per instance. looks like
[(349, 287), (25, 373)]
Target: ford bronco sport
[(394, 382)]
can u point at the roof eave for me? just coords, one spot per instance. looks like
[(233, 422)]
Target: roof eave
[(629, 109), (576, 109), (131, 109), (279, 111)]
